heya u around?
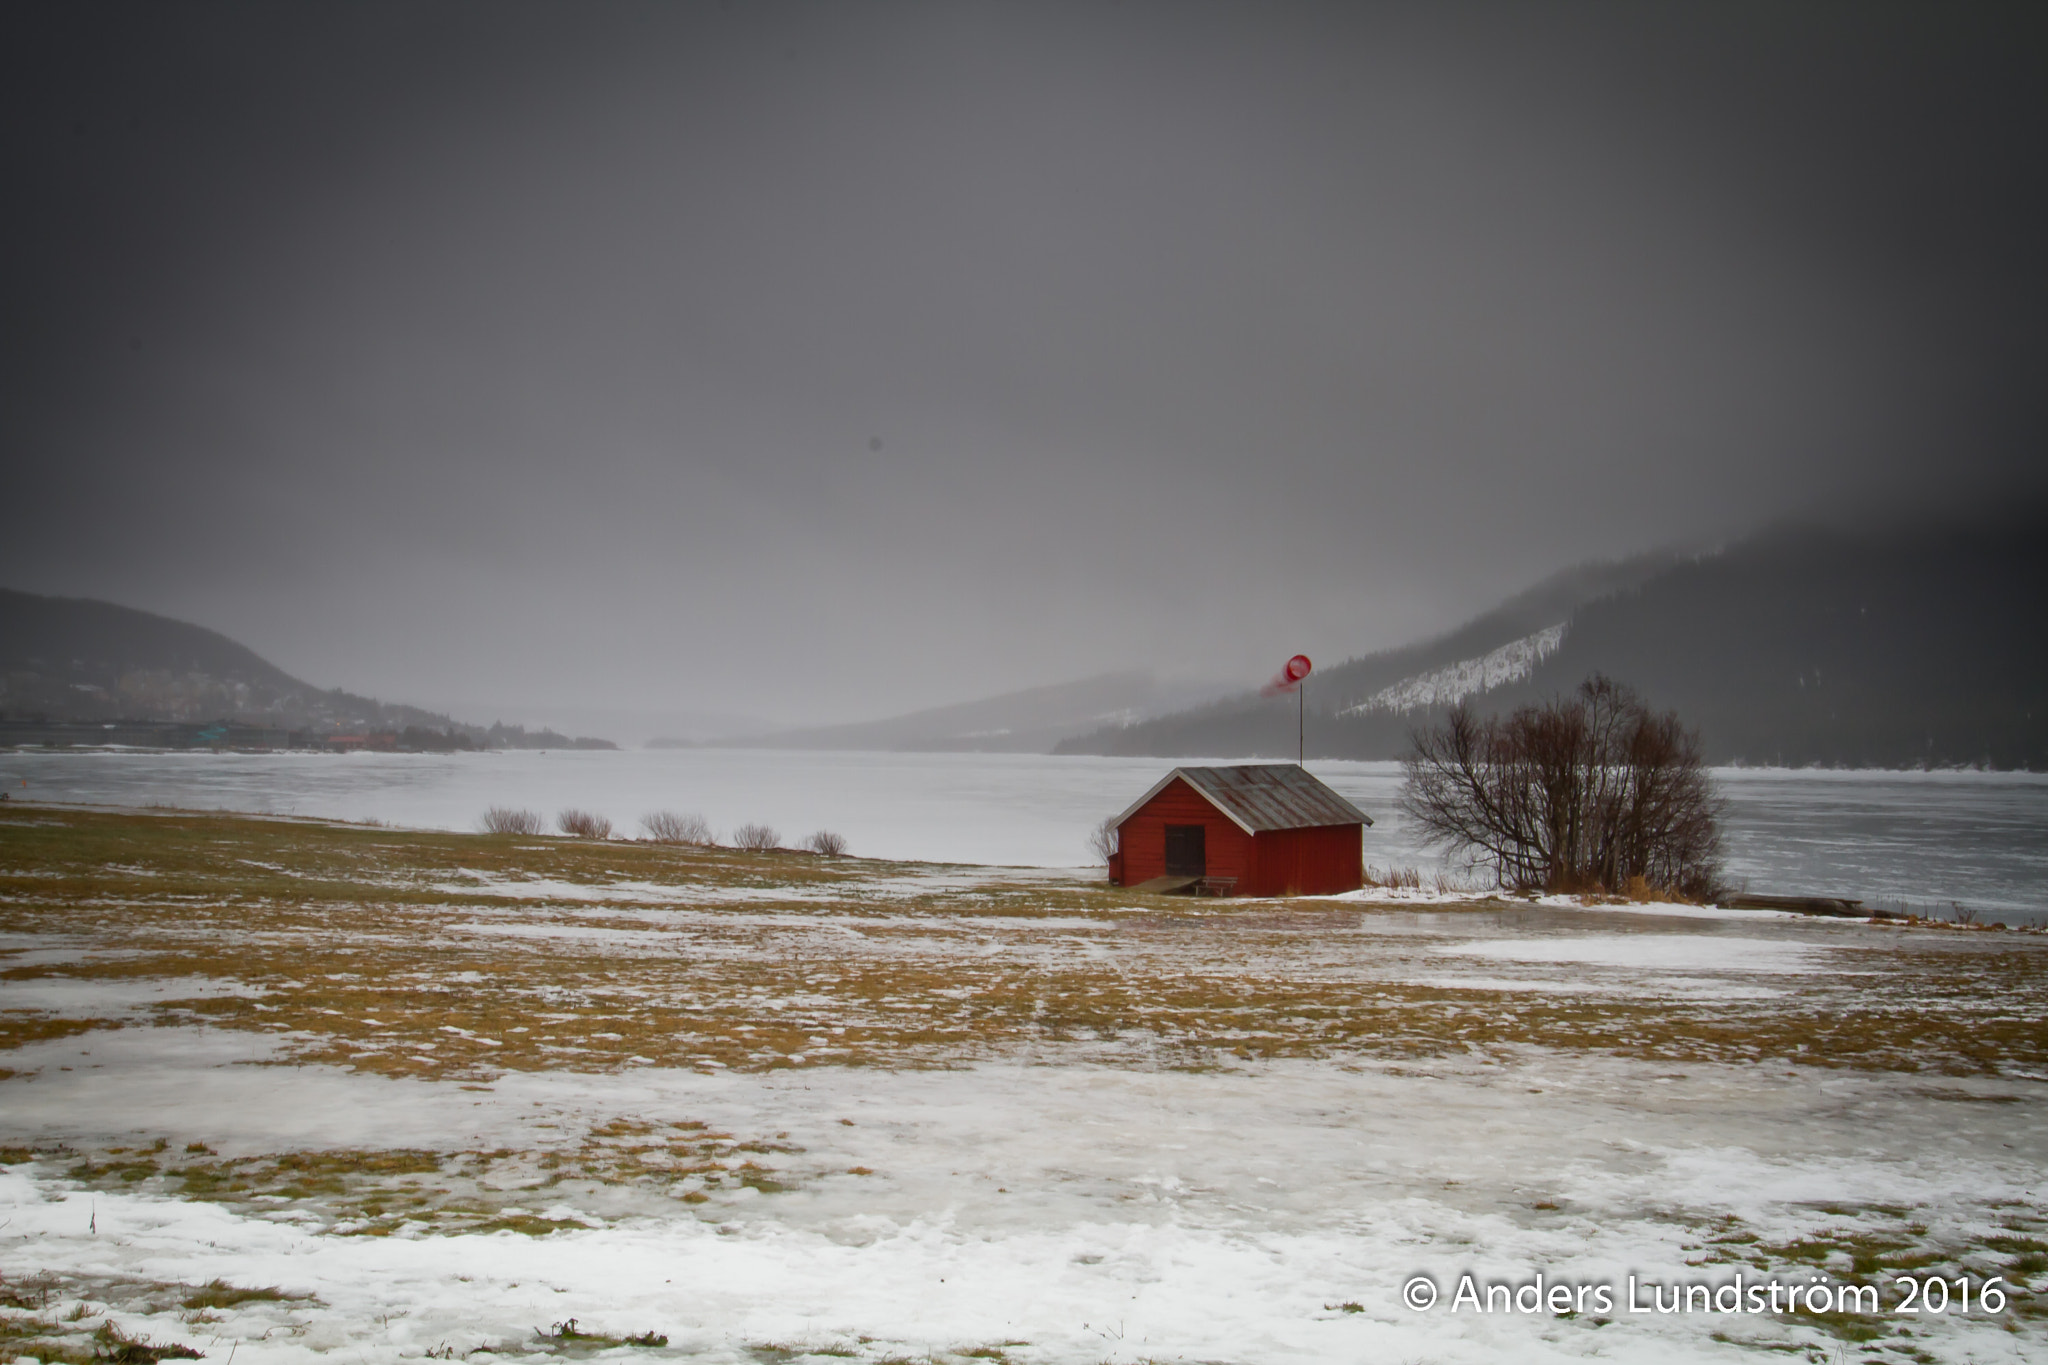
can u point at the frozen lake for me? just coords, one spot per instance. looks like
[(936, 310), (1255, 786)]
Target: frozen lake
[(1922, 839)]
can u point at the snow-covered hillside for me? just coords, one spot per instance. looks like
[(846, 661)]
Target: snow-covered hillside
[(1446, 686)]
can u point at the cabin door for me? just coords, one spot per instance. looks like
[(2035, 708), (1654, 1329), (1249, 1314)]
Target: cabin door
[(1187, 853)]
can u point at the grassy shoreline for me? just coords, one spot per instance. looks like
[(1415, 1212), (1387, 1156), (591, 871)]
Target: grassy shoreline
[(434, 954)]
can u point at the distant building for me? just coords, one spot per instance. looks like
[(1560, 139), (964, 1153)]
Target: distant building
[(386, 742), (1257, 829)]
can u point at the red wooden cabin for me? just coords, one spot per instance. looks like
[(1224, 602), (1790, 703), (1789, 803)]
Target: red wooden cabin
[(1258, 829)]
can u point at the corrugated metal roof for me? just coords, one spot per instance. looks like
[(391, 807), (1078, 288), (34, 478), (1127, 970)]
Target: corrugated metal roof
[(1262, 796)]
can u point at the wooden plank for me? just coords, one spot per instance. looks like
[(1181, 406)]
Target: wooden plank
[(1167, 886)]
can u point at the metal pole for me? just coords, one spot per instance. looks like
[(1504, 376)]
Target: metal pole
[(1301, 725)]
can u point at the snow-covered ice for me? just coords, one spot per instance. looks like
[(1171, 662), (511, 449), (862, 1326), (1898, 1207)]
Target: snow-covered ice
[(1922, 839)]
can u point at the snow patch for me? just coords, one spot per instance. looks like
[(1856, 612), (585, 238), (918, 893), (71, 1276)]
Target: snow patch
[(1660, 952), (102, 994)]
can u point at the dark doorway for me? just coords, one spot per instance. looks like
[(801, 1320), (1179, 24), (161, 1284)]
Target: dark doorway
[(1187, 852)]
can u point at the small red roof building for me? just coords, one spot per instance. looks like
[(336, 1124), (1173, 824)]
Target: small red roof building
[(1256, 829)]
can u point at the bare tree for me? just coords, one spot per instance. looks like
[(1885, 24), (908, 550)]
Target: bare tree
[(826, 842), (1586, 793), (508, 820), (667, 827), (584, 824), (756, 838), (1103, 840)]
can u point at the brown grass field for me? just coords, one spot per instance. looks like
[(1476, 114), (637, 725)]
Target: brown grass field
[(453, 955)]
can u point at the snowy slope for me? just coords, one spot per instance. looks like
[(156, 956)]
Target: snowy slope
[(1512, 662)]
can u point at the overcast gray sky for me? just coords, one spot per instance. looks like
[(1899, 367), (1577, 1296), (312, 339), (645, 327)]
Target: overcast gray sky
[(824, 361)]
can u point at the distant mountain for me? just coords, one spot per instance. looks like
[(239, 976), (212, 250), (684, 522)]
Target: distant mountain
[(1028, 721), (1804, 645), (1811, 646), (1248, 725), (72, 660)]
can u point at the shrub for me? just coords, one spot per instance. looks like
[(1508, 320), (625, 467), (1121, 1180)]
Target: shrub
[(584, 824), (1591, 792), (667, 827), (1102, 840), (507, 820), (826, 842), (756, 838)]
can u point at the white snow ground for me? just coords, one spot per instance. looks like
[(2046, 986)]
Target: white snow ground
[(1266, 1213), (1094, 1213)]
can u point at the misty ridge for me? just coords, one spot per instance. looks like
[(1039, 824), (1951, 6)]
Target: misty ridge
[(1804, 645), (1809, 644), (75, 671)]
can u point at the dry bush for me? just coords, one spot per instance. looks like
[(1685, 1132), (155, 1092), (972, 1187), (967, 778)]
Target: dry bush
[(1588, 793), (667, 827), (826, 842), (507, 820), (584, 824), (1103, 840), (756, 838), (1394, 878)]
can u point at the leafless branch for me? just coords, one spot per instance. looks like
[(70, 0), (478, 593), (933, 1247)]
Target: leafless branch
[(667, 827), (1102, 840), (507, 820), (1591, 792), (584, 824)]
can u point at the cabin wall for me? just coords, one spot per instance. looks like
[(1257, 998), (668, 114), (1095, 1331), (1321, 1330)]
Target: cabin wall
[(1320, 861), (1142, 838)]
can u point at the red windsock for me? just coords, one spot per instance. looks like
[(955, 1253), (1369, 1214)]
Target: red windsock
[(1288, 678)]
